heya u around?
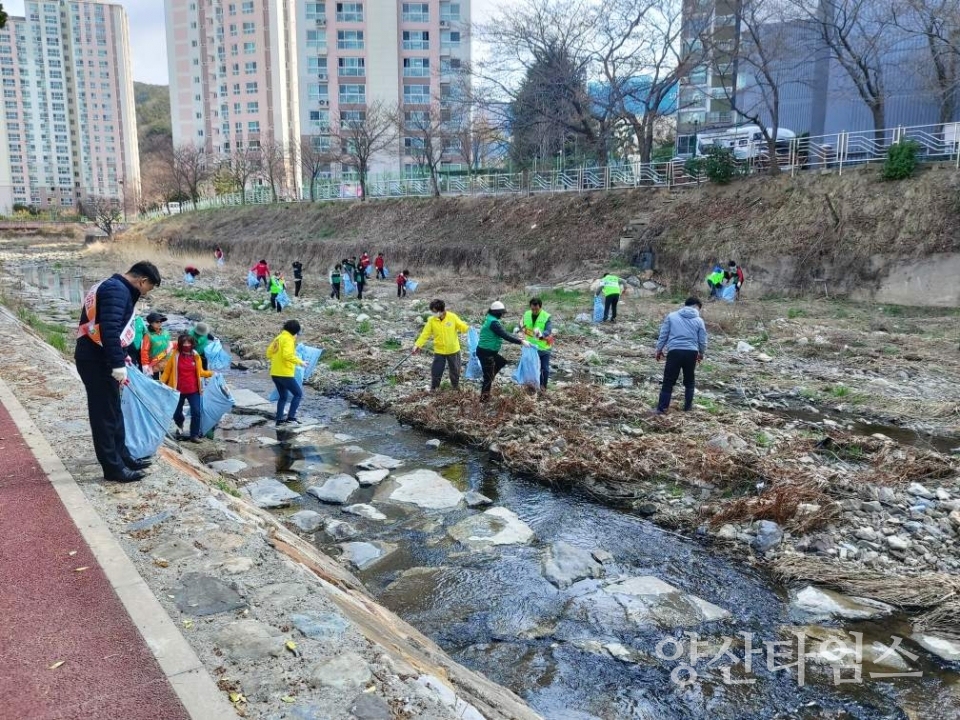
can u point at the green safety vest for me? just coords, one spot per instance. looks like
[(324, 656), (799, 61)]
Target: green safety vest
[(200, 341), (159, 343), (276, 285), (139, 328), (539, 324), (489, 341), (715, 277), (611, 285)]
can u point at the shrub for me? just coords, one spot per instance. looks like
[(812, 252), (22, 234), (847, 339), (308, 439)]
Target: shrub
[(718, 164), (901, 160)]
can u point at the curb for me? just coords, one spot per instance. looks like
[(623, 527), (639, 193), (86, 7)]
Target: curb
[(179, 663)]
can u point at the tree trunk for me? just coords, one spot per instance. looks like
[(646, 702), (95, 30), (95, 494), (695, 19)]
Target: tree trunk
[(363, 183), (774, 166), (313, 189), (877, 112), (434, 181), (243, 194)]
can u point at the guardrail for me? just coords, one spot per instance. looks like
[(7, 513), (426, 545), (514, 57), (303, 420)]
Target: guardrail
[(835, 151)]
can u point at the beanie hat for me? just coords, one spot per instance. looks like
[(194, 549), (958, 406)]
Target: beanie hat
[(202, 328)]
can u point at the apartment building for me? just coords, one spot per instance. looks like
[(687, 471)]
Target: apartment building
[(233, 77), (397, 53), (69, 129)]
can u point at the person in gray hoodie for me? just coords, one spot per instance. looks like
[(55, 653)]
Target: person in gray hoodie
[(683, 337)]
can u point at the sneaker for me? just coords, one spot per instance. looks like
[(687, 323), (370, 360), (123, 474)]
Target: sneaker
[(292, 421), (281, 422), (196, 439)]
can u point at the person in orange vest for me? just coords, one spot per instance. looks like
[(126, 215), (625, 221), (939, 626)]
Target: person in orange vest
[(155, 345), (105, 330), (184, 373)]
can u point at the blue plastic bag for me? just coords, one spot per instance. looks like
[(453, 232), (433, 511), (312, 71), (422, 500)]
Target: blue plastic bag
[(528, 371), (473, 371), (188, 278), (728, 293), (217, 357), (386, 273), (311, 356), (252, 280), (369, 271), (217, 402), (283, 299), (412, 285), (349, 286), (148, 408), (597, 308)]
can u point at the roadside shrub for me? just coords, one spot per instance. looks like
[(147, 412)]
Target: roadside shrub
[(901, 160), (718, 164)]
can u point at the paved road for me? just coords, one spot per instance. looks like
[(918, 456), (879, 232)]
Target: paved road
[(52, 612)]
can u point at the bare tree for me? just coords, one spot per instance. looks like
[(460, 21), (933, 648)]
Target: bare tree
[(273, 164), (316, 154), (425, 136), (105, 213), (191, 169), (239, 166), (362, 134), (937, 22)]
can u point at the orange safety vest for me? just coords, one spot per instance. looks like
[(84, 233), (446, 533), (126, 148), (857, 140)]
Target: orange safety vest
[(91, 328)]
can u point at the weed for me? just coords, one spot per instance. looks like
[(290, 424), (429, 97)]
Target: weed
[(763, 440), (891, 350), (342, 365), (708, 404), (760, 339), (56, 340), (365, 327), (206, 295), (227, 487), (808, 394), (391, 344), (796, 313), (893, 310), (840, 391)]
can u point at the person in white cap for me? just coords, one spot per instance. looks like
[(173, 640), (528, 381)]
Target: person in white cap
[(492, 336)]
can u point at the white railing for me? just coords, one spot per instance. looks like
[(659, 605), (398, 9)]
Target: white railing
[(836, 152)]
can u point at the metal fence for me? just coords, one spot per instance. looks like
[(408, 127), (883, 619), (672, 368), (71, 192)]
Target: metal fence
[(835, 152)]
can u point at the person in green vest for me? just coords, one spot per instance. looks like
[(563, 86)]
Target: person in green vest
[(201, 336), (612, 287), (491, 340), (538, 330), (155, 345), (277, 285), (715, 281), (133, 350)]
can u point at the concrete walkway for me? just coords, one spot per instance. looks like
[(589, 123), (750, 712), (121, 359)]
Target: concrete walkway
[(69, 647)]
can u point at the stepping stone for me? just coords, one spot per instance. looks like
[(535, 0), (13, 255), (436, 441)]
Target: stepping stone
[(366, 511), (228, 467), (335, 489), (496, 526), (371, 477), (363, 554), (379, 462), (270, 493), (475, 499), (202, 595), (307, 520), (426, 489)]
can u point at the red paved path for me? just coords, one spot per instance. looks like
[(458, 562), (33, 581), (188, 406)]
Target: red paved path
[(50, 612)]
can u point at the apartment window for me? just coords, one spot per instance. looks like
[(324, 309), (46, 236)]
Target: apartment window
[(350, 39), (251, 87), (250, 68), (353, 94), (416, 67), (236, 88), (238, 127), (348, 117), (253, 126), (316, 40), (351, 67), (231, 9), (316, 10), (416, 40), (416, 94), (448, 65), (316, 65), (249, 48), (247, 7), (450, 11), (235, 69), (318, 92), (234, 50), (253, 107), (233, 29), (449, 39), (349, 12), (249, 28), (415, 12), (236, 108)]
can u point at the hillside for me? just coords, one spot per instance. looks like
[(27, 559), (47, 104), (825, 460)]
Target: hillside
[(153, 116), (788, 232)]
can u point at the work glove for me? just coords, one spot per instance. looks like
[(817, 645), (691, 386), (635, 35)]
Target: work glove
[(538, 333), (120, 375), (525, 343), (148, 370), (516, 329)]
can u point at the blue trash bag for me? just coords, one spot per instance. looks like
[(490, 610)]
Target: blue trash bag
[(252, 281), (217, 402), (283, 299), (188, 278), (728, 293), (369, 271), (528, 370), (412, 285), (217, 357), (473, 371), (597, 308), (349, 286), (386, 273), (311, 356), (148, 408)]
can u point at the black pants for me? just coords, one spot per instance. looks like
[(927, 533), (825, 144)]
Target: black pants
[(401, 290), (381, 275), (491, 362), (440, 362), (544, 367), (335, 290), (360, 290), (203, 360), (677, 360), (134, 354), (610, 306), (297, 282), (273, 302), (106, 417)]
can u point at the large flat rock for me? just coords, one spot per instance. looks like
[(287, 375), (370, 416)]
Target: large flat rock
[(822, 603), (371, 477), (564, 564), (363, 554), (379, 462), (335, 489), (246, 401), (270, 493), (496, 526), (229, 467), (205, 595), (944, 648), (249, 640), (425, 489)]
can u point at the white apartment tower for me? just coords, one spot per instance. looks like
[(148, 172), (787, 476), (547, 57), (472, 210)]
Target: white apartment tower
[(244, 70), (69, 130)]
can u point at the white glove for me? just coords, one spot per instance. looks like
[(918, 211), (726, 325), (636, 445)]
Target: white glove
[(538, 333), (525, 343), (120, 375), (516, 329), (148, 370)]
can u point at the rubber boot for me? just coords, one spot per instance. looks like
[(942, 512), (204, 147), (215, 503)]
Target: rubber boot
[(688, 398)]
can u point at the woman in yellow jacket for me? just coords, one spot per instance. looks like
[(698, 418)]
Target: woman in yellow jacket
[(282, 355), (444, 327), (184, 372)]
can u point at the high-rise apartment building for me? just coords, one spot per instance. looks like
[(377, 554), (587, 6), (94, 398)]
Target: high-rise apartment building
[(69, 131), (242, 71)]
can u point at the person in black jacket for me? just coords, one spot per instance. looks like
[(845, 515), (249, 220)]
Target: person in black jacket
[(297, 277), (106, 329)]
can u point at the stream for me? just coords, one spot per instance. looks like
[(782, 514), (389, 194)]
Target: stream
[(613, 642)]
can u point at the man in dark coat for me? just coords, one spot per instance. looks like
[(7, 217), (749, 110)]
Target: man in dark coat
[(106, 329)]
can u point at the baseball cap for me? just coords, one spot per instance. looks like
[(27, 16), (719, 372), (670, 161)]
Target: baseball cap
[(497, 305), (156, 317)]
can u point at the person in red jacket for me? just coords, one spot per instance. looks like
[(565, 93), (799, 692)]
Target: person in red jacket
[(402, 284), (262, 271), (183, 373), (734, 274), (364, 261), (380, 264)]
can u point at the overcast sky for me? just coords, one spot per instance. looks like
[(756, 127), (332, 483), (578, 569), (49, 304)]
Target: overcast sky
[(148, 43)]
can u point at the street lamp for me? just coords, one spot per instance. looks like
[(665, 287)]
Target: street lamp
[(696, 124), (123, 201)]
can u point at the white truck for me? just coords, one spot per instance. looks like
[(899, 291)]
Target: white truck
[(746, 141)]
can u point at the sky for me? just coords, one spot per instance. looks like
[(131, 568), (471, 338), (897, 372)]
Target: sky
[(148, 44)]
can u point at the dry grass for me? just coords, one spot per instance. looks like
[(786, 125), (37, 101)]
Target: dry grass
[(943, 620)]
